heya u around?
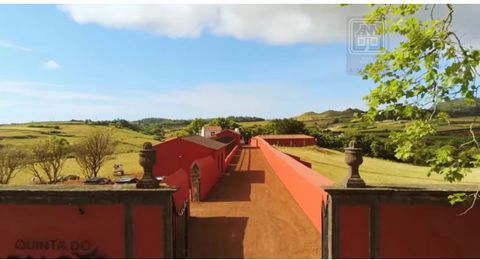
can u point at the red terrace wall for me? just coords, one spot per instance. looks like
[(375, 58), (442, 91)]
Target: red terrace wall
[(25, 228), (354, 231), (305, 185), (428, 231), (400, 223), (229, 157), (291, 142), (230, 133), (181, 180), (209, 174), (309, 165), (148, 244)]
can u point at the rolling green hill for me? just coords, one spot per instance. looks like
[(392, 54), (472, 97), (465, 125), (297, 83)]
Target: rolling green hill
[(327, 118), (27, 134)]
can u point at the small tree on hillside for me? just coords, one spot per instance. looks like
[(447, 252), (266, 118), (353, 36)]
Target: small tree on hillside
[(94, 150), (47, 158), (11, 159)]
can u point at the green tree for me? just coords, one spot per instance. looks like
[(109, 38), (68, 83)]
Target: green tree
[(288, 126), (47, 159), (224, 123), (429, 66), (156, 130), (94, 150), (11, 160), (195, 126), (254, 130)]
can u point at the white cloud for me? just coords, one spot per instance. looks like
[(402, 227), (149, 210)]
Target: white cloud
[(273, 24), (51, 65), (9, 45)]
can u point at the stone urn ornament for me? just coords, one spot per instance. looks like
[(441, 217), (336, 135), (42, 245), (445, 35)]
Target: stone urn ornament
[(353, 157), (147, 160)]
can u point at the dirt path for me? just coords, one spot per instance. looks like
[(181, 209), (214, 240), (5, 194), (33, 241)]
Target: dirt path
[(250, 214)]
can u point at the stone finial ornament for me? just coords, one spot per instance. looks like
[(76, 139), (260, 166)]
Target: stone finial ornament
[(353, 157), (147, 161)]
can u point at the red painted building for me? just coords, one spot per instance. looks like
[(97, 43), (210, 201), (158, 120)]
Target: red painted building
[(228, 135), (289, 140), (203, 156)]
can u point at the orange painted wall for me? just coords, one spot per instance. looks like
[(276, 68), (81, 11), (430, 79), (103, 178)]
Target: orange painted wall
[(305, 185), (428, 231), (69, 231), (354, 231)]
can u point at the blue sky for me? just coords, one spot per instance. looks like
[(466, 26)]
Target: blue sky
[(56, 64)]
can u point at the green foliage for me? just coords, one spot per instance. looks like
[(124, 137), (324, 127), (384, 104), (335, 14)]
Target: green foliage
[(47, 158), (245, 119), (11, 160), (254, 130), (122, 123), (429, 66), (288, 126), (457, 198), (195, 126), (224, 123), (411, 139), (156, 130)]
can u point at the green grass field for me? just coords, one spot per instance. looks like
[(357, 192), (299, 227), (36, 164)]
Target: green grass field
[(374, 171), (248, 124), (27, 134)]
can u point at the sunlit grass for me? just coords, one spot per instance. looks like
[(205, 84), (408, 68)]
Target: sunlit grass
[(130, 142), (374, 171)]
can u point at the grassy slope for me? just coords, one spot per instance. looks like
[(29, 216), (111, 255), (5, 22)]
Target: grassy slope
[(23, 134), (331, 164)]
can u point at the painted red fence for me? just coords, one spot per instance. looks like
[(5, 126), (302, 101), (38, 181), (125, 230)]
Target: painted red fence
[(400, 223), (305, 185), (99, 221)]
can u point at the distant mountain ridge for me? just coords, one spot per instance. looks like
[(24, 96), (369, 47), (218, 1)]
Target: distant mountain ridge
[(330, 115)]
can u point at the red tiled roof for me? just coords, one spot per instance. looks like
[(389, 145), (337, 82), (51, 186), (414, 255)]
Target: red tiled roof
[(286, 136), (207, 142)]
